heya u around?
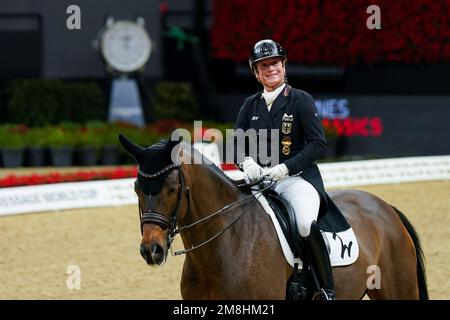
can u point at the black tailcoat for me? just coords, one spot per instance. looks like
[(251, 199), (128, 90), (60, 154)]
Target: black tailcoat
[(294, 108)]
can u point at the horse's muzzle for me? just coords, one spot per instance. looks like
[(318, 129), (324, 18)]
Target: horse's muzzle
[(152, 254)]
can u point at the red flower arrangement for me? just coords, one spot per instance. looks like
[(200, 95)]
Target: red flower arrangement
[(13, 180), (334, 32), (57, 177)]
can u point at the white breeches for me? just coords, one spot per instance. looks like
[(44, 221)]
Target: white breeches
[(304, 199)]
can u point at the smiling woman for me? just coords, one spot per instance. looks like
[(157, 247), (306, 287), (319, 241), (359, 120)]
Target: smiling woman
[(271, 73), (292, 115)]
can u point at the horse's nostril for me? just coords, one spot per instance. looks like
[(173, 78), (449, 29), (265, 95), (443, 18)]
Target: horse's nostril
[(143, 252), (153, 254), (157, 253)]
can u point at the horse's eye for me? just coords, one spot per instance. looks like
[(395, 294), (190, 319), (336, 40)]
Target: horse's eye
[(172, 190)]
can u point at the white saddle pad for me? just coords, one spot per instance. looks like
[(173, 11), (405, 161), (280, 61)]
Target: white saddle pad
[(342, 246)]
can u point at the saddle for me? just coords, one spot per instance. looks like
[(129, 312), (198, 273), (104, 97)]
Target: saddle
[(286, 217), (333, 225), (283, 212)]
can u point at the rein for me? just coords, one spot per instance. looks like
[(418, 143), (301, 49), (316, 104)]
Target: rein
[(179, 230), (170, 223)]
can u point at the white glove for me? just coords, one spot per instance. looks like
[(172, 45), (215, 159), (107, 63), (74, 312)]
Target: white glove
[(252, 170), (276, 173)]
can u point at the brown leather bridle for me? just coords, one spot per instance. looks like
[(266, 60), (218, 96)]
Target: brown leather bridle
[(170, 223), (162, 220)]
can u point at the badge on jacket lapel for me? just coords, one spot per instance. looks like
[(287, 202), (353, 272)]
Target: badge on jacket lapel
[(286, 125)]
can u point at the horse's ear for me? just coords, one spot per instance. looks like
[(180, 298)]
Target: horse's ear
[(171, 144), (132, 148), (175, 149)]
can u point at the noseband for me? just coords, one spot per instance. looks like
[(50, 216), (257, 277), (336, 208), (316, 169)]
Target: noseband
[(151, 216)]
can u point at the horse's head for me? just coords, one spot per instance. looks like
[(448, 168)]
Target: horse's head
[(160, 186)]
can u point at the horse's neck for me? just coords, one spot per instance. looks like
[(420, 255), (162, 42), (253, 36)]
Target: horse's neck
[(241, 243), (209, 193)]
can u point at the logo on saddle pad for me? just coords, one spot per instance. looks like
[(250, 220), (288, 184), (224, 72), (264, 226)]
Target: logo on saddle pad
[(345, 247)]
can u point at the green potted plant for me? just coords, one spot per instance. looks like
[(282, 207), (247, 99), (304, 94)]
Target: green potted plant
[(60, 141), (12, 144), (110, 152), (175, 100), (88, 144), (35, 147)]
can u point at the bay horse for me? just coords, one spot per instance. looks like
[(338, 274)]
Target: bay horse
[(231, 246)]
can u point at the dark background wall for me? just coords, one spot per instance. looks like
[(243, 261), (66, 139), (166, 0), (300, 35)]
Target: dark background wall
[(377, 125), (69, 53), (42, 45), (413, 101)]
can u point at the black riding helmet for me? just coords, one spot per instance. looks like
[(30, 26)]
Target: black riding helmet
[(266, 49)]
